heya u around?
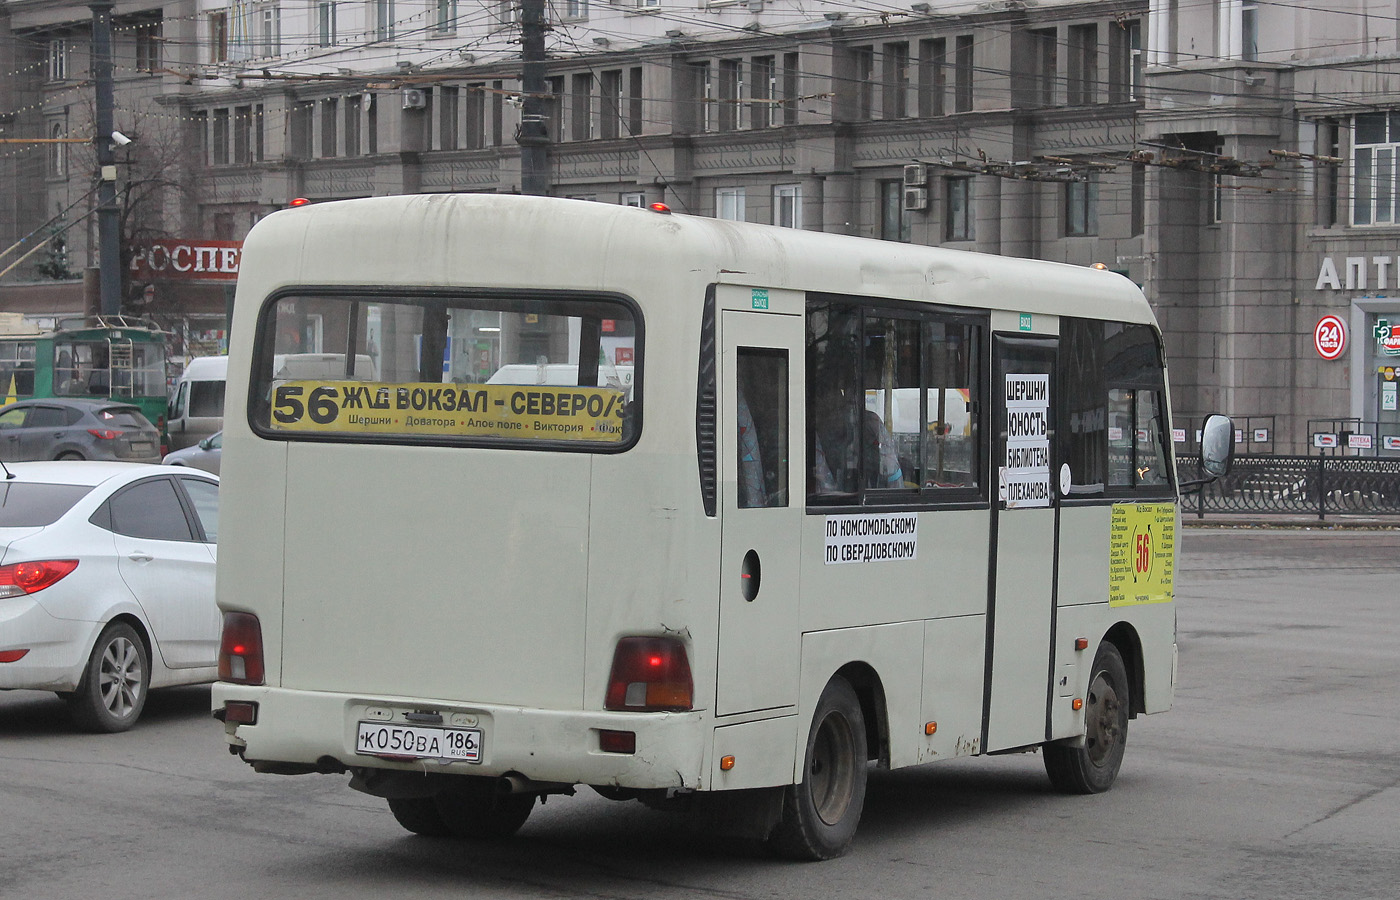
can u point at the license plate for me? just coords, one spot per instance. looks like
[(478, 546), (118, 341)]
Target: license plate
[(142, 446), (420, 741)]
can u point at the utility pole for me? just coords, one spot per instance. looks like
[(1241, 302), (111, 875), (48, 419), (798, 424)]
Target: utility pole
[(108, 239), (533, 136)]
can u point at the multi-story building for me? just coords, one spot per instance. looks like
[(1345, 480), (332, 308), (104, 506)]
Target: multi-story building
[(1234, 158)]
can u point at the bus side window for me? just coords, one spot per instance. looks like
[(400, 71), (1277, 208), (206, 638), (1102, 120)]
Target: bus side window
[(762, 418)]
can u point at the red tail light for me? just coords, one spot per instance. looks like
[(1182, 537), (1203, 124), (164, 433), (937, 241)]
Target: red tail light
[(649, 674), (12, 655), (241, 649), (104, 434), (28, 577)]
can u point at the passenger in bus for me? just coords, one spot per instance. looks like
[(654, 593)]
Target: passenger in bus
[(843, 462), (752, 491)]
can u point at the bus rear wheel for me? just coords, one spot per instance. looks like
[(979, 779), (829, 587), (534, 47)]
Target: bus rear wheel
[(1092, 767), (820, 813), (419, 815), (476, 808)]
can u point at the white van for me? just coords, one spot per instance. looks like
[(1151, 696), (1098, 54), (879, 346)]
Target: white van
[(197, 407)]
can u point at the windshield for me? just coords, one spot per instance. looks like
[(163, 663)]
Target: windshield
[(28, 505)]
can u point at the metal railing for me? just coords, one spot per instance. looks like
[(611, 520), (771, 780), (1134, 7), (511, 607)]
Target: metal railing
[(1308, 485)]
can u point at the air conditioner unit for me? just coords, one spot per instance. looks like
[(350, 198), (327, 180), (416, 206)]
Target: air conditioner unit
[(414, 98), (916, 198), (915, 175)]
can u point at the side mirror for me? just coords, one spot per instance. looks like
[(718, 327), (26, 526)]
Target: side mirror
[(205, 444), (1217, 445)]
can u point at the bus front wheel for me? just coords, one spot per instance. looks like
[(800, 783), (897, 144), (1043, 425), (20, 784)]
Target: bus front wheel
[(820, 813), (1090, 767), (477, 808)]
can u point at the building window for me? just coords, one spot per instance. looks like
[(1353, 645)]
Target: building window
[(763, 89), (933, 76), (330, 115), (371, 125), (218, 37), (269, 35), (325, 24), (1216, 213), (258, 145), (199, 136), (148, 38), (894, 221), (575, 10), (1125, 61), (636, 199), (958, 224), (730, 80), (1138, 212), (581, 107), (219, 142), (792, 81), (58, 152), (448, 98), (1083, 65), (58, 60), (702, 90), (1375, 146), (787, 205), (1249, 30), (610, 104), (353, 106), (555, 105), (962, 73), (383, 19), (895, 75), (498, 112), (1044, 65), (243, 135), (1082, 206), (863, 74), (445, 16), (508, 12), (1329, 136), (729, 204), (299, 141), (634, 101)]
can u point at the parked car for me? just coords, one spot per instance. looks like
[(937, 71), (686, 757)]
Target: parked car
[(77, 429), (204, 455), (107, 584)]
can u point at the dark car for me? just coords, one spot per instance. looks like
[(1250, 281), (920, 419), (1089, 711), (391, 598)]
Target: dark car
[(77, 429)]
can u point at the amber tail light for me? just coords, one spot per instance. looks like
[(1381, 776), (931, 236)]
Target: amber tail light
[(650, 674)]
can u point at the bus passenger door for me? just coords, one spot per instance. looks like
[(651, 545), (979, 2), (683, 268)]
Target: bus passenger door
[(760, 448), (1024, 537)]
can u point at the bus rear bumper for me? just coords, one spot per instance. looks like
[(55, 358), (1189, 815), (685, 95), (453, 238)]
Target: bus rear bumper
[(308, 731)]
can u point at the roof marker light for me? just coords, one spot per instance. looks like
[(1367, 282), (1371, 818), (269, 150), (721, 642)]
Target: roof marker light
[(660, 207), (299, 201)]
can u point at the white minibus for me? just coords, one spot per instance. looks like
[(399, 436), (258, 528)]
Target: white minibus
[(197, 406), (856, 504)]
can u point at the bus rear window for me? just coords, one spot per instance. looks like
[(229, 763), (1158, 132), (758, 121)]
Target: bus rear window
[(560, 369)]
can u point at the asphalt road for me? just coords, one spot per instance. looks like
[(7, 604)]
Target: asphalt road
[(1274, 777)]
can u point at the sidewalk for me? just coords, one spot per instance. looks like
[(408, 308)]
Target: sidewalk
[(1334, 521)]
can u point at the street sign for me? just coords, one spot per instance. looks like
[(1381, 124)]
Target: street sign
[(1324, 439), (1330, 337), (1359, 441)]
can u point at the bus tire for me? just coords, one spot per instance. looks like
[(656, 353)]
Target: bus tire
[(820, 814), (475, 808), (1091, 766), (112, 692), (419, 815)]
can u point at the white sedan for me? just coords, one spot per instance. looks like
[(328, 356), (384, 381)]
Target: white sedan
[(107, 583)]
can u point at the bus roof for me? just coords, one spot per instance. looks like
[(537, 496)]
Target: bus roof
[(489, 240)]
